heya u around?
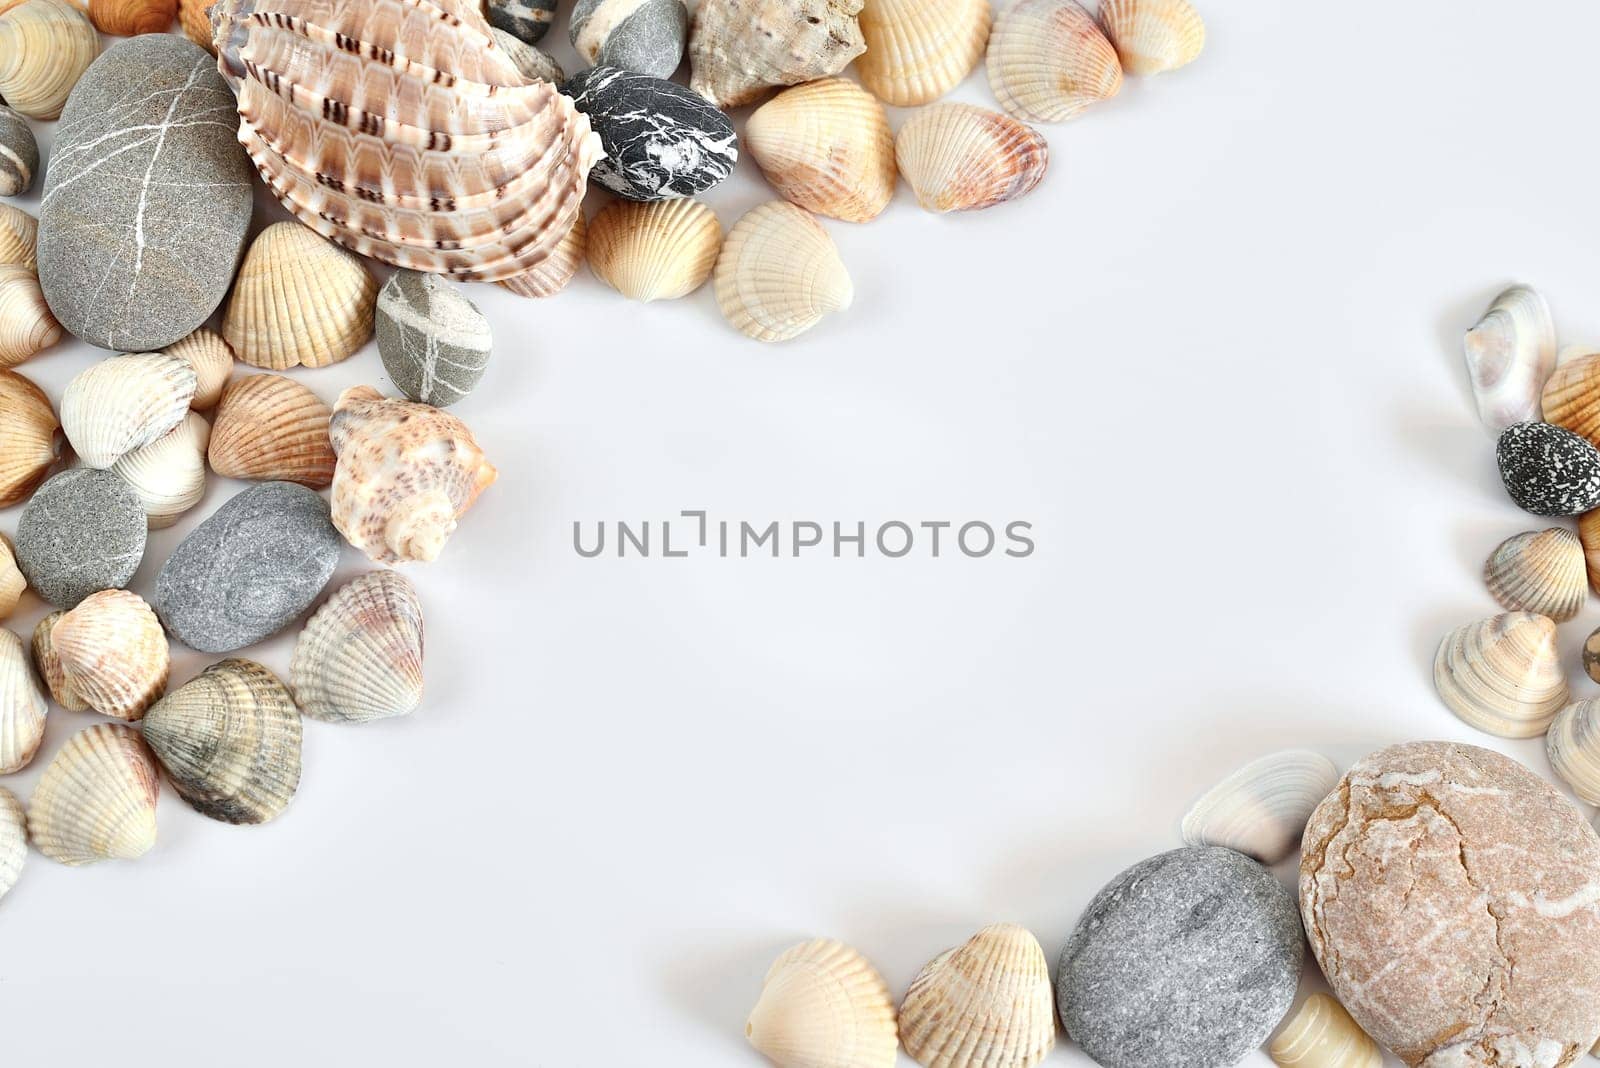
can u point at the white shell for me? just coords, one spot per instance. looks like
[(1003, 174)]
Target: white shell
[(1152, 36), (209, 353), (1503, 674), (12, 582), (1539, 571), (13, 840), (1510, 352), (359, 657), (1048, 60), (984, 1004), (1322, 1035), (1573, 744), (122, 403), (1261, 809), (779, 273), (22, 711), (823, 1005), (97, 799), (169, 474)]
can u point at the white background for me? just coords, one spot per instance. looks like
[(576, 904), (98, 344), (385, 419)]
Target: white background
[(1214, 359)]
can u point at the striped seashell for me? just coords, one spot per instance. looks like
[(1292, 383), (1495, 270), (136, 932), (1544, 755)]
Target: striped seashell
[(169, 474), (359, 657), (97, 799), (659, 250), (130, 18), (125, 402), (823, 1005), (779, 273), (19, 237), (109, 652), (12, 581), (985, 1004), (195, 18), (212, 359), (13, 840), (1538, 571), (28, 443), (45, 46), (552, 276), (1048, 61), (957, 157), (298, 300), (1322, 1035), (49, 665), (1573, 745), (919, 50), (1503, 674), (1152, 36), (271, 428), (22, 707), (26, 324), (827, 147), (1261, 810)]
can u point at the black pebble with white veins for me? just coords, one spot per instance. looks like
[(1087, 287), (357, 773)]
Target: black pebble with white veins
[(661, 139), (526, 20), (1548, 470), (434, 342)]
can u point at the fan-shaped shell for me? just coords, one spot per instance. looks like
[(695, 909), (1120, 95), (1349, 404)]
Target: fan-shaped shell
[(1571, 396), (12, 581), (1503, 674), (919, 50), (169, 474), (1048, 61), (27, 437), (1510, 353), (271, 428), (659, 250), (1538, 571), (45, 46), (551, 277), (1152, 36), (823, 1006), (1573, 744), (195, 18), (212, 360), (22, 714), (1261, 809), (1322, 1035), (230, 741), (26, 324), (49, 665), (957, 157), (826, 146), (112, 653), (299, 299), (129, 18), (13, 840), (122, 403), (738, 49), (986, 1004), (359, 657), (779, 273), (19, 238), (97, 799)]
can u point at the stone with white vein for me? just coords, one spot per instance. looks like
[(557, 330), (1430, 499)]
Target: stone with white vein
[(661, 139), (434, 341), (644, 36)]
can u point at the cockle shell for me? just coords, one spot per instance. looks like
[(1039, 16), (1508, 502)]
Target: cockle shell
[(986, 1004), (1538, 571), (97, 799), (406, 472), (12, 582), (1571, 395), (271, 428), (359, 657), (1510, 353), (1261, 809), (129, 18), (1503, 674), (827, 147), (918, 50), (230, 741), (657, 251), (19, 237), (299, 299), (1322, 1035), (823, 1006), (195, 18), (738, 49), (169, 474), (122, 403), (22, 713), (1048, 60), (552, 276), (779, 273), (1573, 744), (957, 157), (49, 665), (212, 360), (26, 324), (462, 166), (534, 64), (13, 840), (45, 46), (1152, 36), (1589, 536), (109, 652), (27, 437)]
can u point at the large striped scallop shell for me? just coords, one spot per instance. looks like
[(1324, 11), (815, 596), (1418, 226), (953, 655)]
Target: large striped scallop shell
[(400, 129), (360, 657), (97, 798)]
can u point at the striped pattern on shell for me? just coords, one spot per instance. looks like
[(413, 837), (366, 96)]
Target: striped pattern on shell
[(400, 129)]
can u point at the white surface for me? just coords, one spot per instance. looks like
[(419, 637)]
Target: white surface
[(1214, 359)]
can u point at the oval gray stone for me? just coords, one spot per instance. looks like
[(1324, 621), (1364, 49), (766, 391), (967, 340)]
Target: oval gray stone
[(644, 36), (83, 531), (148, 197), (434, 341), (19, 153)]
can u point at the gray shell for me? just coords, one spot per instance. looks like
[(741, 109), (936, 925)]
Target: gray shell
[(19, 154), (643, 36), (434, 342)]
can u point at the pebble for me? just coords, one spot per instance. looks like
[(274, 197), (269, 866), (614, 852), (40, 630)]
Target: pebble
[(643, 36), (526, 20), (536, 64), (249, 570), (19, 154), (1188, 958), (82, 532), (434, 341), (1548, 470), (661, 139)]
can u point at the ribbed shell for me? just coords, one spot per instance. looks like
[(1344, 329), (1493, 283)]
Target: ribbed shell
[(129, 18), (1503, 674), (1573, 744), (298, 300), (112, 653), (212, 359), (1589, 536), (124, 402), (19, 237), (1571, 395), (26, 324), (359, 657), (12, 581), (826, 146), (272, 428), (1510, 352), (986, 1004), (49, 665), (659, 250), (45, 46), (169, 474), (22, 711), (738, 49), (823, 1006), (1152, 36), (1322, 1035), (1261, 810), (1538, 571), (27, 437), (13, 840), (779, 273), (957, 157), (97, 798), (918, 50), (1048, 61), (552, 276), (194, 17)]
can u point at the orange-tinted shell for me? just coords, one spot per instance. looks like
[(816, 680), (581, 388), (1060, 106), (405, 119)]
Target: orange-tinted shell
[(129, 18)]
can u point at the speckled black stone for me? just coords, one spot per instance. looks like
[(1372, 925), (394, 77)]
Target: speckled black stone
[(661, 139), (83, 531), (526, 20), (1189, 958), (1548, 470)]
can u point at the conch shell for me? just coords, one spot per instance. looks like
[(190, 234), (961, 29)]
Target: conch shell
[(823, 1006), (45, 46), (1503, 675), (97, 799), (986, 1004), (738, 49), (1261, 809), (1538, 571), (1510, 353)]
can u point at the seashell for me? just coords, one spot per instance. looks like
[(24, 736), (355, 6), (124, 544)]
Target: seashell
[(97, 799), (467, 168), (406, 472), (661, 140), (917, 50), (826, 146), (534, 64), (644, 36), (130, 18), (1261, 809), (1322, 1035), (1548, 470), (22, 715), (1539, 572), (125, 402), (299, 300), (12, 582), (195, 18), (1048, 61), (212, 360), (271, 428), (552, 276), (1589, 536), (1510, 353), (1152, 36), (1573, 743), (230, 741), (26, 325), (109, 653), (1503, 674), (169, 474), (1571, 395), (1591, 655), (19, 154), (526, 20), (779, 274), (13, 840), (359, 657), (823, 1006), (27, 437), (49, 665), (986, 1004), (738, 49), (434, 342), (19, 235), (658, 251), (957, 157), (45, 46)]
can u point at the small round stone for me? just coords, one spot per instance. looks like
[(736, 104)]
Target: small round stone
[(82, 532), (526, 20), (19, 154), (644, 36), (1548, 470), (661, 139), (434, 341), (1189, 958)]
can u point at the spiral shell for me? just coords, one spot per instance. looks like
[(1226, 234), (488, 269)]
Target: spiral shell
[(1510, 353), (212, 360), (129, 18), (1538, 571), (1503, 675), (169, 474), (271, 428), (986, 1004), (26, 324), (22, 714), (1261, 809), (299, 299), (19, 238), (738, 49), (919, 50), (1322, 1035), (551, 277), (779, 273), (13, 840), (45, 46), (125, 402), (359, 657), (957, 157), (823, 1006), (109, 654), (97, 799), (1048, 61), (1152, 36), (826, 146), (27, 437), (659, 250)]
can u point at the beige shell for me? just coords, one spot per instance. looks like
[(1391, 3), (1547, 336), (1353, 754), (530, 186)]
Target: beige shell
[(1571, 395), (986, 1004), (359, 657), (534, 64), (825, 146), (12, 581), (22, 708), (272, 428), (130, 18), (97, 799), (1589, 536), (406, 472), (1538, 571), (1152, 36), (1261, 809), (109, 652), (169, 474), (919, 50), (957, 157), (1322, 1035), (1573, 744), (122, 403), (1048, 61), (13, 840), (551, 277), (738, 49), (19, 238), (26, 325), (194, 17), (49, 665), (230, 742), (299, 299), (1510, 352), (1503, 674), (660, 250), (779, 273), (45, 46), (823, 1006), (27, 437), (212, 359)]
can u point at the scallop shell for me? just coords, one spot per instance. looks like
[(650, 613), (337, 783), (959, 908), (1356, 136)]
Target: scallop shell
[(1573, 744), (660, 250), (169, 474), (1503, 674), (298, 300), (738, 49), (26, 325), (1152, 36), (97, 799), (919, 50), (823, 1006), (130, 18), (1538, 571), (1261, 809), (552, 276), (124, 402), (1322, 1035), (406, 472), (45, 46), (1048, 61), (13, 840), (22, 713), (986, 1004), (271, 428), (12, 581), (957, 157), (212, 360), (463, 166), (195, 18), (27, 437), (19, 236), (779, 273), (826, 146), (230, 741), (49, 665), (359, 657), (110, 652), (1510, 352)]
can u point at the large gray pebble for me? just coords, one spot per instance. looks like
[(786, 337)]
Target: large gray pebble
[(644, 36), (83, 531), (19, 154), (434, 342)]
